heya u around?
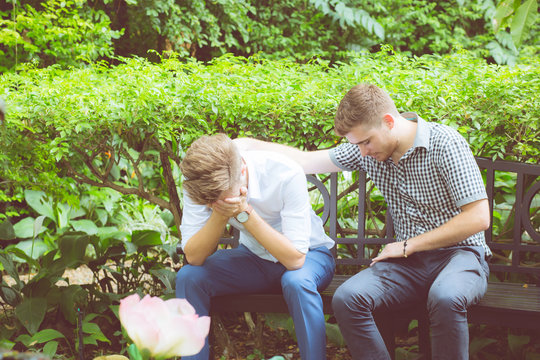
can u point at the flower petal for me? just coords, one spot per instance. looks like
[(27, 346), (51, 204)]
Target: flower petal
[(184, 335), (180, 306), (141, 329), (164, 328)]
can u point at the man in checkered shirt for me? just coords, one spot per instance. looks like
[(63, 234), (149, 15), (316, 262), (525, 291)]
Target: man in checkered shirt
[(439, 206)]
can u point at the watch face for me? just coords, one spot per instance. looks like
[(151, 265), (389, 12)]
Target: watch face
[(242, 217)]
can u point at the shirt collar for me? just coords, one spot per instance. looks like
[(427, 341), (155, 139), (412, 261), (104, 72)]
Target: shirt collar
[(254, 187), (421, 138)]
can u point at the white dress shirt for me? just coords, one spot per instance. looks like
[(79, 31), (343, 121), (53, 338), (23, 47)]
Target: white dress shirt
[(277, 190)]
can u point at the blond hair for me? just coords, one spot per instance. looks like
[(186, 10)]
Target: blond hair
[(211, 166), (364, 104)]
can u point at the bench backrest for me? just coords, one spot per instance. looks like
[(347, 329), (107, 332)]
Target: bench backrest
[(514, 234)]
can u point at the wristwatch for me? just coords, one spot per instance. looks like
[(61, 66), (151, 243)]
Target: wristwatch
[(243, 216)]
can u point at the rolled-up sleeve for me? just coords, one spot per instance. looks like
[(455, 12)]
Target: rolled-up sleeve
[(347, 156), (461, 172), (193, 219)]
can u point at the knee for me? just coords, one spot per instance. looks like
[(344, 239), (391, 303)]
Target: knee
[(346, 301), (442, 301), (296, 282), (187, 277)]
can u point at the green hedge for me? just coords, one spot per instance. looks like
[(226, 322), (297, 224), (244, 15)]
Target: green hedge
[(61, 122)]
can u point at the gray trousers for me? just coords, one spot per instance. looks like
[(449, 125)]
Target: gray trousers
[(452, 279)]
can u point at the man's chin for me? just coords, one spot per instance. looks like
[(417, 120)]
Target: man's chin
[(380, 157)]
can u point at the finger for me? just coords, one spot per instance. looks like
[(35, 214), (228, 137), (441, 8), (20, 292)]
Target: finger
[(231, 200), (224, 208)]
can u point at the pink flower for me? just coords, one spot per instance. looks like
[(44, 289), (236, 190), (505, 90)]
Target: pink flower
[(163, 328)]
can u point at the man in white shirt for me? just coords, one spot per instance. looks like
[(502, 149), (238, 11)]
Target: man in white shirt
[(283, 247)]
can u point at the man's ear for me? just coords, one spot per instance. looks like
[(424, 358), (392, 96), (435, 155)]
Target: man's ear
[(389, 121)]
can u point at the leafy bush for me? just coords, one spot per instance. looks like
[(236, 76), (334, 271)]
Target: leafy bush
[(115, 126), (125, 250)]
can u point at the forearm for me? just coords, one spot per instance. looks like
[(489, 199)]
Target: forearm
[(204, 242), (275, 242), (313, 162), (473, 219)]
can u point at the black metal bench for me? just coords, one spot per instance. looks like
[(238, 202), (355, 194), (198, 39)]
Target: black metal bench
[(514, 239)]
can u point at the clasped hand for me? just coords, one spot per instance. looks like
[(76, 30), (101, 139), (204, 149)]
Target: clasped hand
[(232, 206)]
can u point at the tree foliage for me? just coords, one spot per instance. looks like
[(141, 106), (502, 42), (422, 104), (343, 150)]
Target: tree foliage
[(76, 31), (518, 15), (66, 32)]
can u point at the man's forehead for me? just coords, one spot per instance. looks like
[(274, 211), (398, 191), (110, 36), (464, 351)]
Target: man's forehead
[(358, 135)]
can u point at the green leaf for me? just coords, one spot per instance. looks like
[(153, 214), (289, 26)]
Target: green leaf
[(21, 256), (6, 344), (10, 295), (73, 247), (86, 226), (71, 295), (31, 312), (90, 317), (37, 201), (63, 215), (523, 19), (6, 231), (50, 349), (25, 339), (284, 321), (38, 226), (89, 340), (47, 335), (134, 353), (166, 276), (504, 10), (167, 217), (146, 238), (95, 331), (9, 267), (24, 229), (334, 334), (34, 249)]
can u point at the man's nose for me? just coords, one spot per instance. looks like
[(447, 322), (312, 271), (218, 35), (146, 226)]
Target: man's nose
[(363, 150)]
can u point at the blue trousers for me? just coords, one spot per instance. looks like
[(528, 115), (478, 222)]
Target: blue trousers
[(451, 279), (238, 270)]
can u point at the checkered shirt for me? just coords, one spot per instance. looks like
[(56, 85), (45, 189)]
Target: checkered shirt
[(429, 184)]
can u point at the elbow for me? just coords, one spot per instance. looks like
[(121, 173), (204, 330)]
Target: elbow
[(478, 216), (484, 223), (193, 259), (296, 263), (484, 220)]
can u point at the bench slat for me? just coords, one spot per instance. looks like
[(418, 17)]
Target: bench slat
[(505, 304)]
